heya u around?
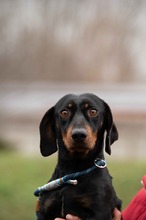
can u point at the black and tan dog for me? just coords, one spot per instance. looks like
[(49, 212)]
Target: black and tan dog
[(77, 126)]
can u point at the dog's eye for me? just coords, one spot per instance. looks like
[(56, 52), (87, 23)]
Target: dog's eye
[(65, 113), (93, 112)]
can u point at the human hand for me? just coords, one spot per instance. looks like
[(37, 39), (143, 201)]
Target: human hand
[(117, 216), (70, 217)]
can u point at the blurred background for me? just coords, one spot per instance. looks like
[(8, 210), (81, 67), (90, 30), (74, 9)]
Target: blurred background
[(50, 48)]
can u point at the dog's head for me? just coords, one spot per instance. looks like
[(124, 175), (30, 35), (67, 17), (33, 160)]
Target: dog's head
[(78, 123)]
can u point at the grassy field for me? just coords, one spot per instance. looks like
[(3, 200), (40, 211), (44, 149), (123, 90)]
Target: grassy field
[(21, 175)]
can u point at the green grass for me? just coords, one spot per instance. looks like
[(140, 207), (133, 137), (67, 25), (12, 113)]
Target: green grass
[(127, 178), (21, 175)]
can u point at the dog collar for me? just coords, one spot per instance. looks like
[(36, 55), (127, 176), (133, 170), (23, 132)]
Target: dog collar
[(70, 178)]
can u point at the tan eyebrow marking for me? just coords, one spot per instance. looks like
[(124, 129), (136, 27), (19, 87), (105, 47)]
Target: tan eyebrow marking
[(86, 105), (69, 105)]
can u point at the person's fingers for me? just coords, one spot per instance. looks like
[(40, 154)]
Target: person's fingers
[(59, 219), (71, 217), (117, 214)]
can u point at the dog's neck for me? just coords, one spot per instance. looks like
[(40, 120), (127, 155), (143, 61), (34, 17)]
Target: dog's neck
[(76, 162)]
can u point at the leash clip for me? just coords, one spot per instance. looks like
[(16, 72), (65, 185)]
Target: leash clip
[(100, 163)]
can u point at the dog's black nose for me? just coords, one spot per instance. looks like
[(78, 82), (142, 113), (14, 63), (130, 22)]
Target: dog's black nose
[(79, 134)]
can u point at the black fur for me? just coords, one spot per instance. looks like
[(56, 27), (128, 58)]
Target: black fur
[(78, 124)]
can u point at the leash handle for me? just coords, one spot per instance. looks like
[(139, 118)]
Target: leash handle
[(53, 185), (49, 186)]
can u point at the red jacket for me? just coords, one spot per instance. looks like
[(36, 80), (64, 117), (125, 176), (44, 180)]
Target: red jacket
[(136, 210)]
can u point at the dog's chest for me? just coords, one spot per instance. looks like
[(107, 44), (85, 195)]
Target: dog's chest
[(77, 199), (83, 196), (89, 196)]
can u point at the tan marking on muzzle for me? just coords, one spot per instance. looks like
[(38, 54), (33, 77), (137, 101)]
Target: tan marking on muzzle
[(91, 138), (86, 146), (67, 138)]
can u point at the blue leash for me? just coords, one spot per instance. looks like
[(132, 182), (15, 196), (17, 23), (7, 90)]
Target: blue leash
[(70, 178)]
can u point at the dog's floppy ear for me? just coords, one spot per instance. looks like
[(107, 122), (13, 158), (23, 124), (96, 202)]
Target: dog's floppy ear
[(112, 133), (48, 144)]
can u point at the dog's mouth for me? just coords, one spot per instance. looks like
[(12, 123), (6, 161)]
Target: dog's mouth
[(78, 153), (79, 148)]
